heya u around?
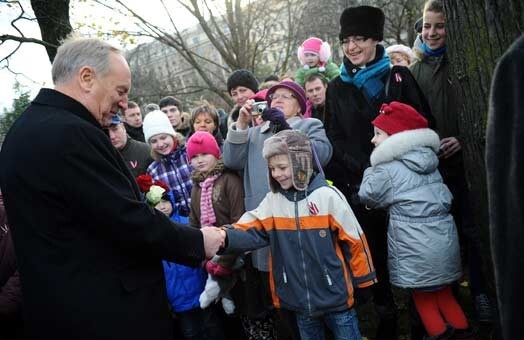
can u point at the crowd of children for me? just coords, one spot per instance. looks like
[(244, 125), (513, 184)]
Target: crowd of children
[(300, 235)]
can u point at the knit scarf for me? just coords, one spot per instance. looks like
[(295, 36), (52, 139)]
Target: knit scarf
[(369, 78), (433, 53), (207, 214)]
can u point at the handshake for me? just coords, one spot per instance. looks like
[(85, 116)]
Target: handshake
[(214, 239)]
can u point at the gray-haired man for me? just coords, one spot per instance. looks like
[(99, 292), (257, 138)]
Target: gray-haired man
[(89, 251)]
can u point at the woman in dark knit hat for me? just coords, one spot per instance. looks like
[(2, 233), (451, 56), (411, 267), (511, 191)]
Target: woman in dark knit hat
[(241, 85), (366, 82)]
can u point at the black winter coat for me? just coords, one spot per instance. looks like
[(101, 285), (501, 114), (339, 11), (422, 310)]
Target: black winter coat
[(350, 129), (137, 133), (10, 290), (505, 168), (89, 251)]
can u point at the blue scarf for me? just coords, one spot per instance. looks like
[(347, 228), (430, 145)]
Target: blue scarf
[(433, 53), (368, 78)]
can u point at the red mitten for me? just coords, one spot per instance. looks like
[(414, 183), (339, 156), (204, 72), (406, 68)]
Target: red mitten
[(216, 269)]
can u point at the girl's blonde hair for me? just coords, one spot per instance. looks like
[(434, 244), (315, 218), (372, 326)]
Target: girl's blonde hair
[(178, 137)]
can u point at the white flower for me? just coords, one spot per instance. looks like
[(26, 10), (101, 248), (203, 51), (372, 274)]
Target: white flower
[(155, 194)]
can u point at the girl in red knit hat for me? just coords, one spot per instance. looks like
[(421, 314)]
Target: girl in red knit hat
[(423, 249)]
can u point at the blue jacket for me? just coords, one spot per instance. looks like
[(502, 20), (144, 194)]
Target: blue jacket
[(423, 249), (184, 284)]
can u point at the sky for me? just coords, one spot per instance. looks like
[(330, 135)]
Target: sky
[(31, 63)]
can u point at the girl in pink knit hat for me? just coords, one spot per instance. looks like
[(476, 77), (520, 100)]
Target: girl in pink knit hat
[(314, 55), (217, 198)]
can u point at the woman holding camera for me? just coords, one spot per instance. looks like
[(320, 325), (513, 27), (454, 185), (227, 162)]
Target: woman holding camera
[(286, 102)]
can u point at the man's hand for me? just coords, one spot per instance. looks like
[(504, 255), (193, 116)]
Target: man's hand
[(214, 238), (449, 147)]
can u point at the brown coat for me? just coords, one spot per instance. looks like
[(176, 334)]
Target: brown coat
[(228, 200)]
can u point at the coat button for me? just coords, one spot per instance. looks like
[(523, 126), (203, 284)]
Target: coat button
[(354, 70)]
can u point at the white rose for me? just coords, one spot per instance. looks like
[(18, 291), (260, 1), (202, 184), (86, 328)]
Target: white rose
[(155, 194)]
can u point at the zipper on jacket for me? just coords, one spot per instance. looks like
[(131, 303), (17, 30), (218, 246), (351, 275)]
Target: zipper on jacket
[(328, 278), (284, 275), (304, 267)]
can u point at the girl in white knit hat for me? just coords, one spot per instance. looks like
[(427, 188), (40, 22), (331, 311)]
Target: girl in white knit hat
[(170, 165)]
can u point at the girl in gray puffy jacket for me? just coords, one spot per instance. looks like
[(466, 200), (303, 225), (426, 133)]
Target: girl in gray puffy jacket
[(423, 249)]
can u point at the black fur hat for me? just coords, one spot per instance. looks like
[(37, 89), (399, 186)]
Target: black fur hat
[(366, 21), (242, 78)]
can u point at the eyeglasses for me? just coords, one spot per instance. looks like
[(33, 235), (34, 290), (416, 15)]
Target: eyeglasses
[(275, 96), (356, 40)]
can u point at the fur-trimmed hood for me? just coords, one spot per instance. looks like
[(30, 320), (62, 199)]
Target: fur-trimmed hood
[(416, 148)]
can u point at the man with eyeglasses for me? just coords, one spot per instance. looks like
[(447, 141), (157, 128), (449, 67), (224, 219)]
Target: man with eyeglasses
[(354, 98), (172, 107)]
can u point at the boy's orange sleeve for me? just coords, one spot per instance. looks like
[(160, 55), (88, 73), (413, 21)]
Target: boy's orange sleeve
[(352, 241)]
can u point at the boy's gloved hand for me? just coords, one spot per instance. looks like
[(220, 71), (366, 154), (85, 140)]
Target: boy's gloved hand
[(277, 120), (210, 293), (228, 305)]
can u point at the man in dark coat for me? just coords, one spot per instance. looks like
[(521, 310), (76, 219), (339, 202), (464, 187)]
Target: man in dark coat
[(137, 155), (315, 86), (505, 169), (89, 250), (132, 118)]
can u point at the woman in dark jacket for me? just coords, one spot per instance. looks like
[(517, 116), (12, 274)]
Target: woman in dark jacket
[(354, 98), (439, 84)]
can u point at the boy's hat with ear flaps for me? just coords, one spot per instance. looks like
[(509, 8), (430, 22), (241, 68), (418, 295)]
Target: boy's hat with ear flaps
[(296, 145)]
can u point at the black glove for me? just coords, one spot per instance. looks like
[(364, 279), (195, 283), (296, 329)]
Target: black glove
[(277, 120)]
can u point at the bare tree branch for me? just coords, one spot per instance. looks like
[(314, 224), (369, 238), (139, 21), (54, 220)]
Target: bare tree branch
[(23, 39)]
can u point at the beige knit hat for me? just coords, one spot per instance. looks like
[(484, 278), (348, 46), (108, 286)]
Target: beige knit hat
[(297, 146)]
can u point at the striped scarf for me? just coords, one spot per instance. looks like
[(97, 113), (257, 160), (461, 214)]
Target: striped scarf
[(207, 214)]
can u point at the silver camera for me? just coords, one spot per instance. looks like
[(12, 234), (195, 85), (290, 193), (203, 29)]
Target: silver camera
[(258, 108)]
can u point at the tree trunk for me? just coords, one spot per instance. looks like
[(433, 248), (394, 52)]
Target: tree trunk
[(479, 31), (53, 19)]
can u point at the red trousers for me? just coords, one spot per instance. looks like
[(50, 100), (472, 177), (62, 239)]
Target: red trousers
[(438, 308)]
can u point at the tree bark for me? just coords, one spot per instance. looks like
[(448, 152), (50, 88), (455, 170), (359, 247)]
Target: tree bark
[(479, 31), (53, 19)]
